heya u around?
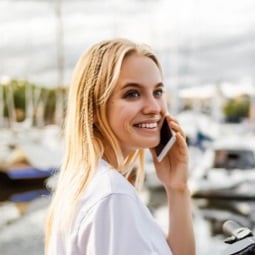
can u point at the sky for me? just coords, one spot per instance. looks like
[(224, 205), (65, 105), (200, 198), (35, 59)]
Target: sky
[(197, 41)]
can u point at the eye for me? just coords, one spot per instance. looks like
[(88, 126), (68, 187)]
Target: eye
[(158, 92), (131, 94)]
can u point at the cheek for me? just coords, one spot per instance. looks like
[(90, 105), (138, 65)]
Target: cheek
[(120, 118), (114, 113)]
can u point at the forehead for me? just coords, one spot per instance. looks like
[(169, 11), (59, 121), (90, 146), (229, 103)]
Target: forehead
[(141, 69)]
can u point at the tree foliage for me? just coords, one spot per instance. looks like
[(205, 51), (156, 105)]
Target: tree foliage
[(237, 109), (19, 95)]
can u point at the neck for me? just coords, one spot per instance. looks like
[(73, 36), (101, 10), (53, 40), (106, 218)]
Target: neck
[(110, 156)]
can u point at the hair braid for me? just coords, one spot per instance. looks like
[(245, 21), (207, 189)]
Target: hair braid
[(89, 104)]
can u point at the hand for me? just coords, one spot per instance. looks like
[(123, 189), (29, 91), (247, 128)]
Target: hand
[(172, 171)]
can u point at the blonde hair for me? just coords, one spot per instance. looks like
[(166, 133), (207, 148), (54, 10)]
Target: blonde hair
[(94, 79)]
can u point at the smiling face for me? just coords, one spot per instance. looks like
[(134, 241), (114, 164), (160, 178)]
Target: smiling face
[(136, 107)]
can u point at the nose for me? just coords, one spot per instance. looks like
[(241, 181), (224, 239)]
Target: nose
[(152, 105)]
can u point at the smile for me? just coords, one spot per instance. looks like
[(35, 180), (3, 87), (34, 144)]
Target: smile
[(147, 125)]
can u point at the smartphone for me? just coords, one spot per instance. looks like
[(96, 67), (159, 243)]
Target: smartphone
[(167, 139)]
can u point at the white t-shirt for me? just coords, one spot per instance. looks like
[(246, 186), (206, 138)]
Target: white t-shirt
[(111, 220)]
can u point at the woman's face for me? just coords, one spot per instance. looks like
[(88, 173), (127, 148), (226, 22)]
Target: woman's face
[(136, 107)]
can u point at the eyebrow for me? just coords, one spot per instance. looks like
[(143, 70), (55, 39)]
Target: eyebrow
[(138, 85)]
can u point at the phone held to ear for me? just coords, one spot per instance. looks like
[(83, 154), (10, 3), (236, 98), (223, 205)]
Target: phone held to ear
[(167, 139)]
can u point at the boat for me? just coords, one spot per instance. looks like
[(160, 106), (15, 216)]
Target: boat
[(21, 193), (152, 181), (19, 170), (227, 170), (25, 176), (31, 158)]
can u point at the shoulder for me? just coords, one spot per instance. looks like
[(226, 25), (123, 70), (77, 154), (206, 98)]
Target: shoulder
[(111, 219), (106, 183), (119, 224)]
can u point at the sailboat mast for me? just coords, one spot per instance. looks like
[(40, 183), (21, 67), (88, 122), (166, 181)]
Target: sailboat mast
[(59, 111)]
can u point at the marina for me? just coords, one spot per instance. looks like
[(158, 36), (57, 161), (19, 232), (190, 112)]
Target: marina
[(21, 225), (31, 157), (209, 77), (23, 207)]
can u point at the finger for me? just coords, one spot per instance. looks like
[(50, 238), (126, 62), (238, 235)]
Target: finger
[(182, 138), (171, 118), (177, 129)]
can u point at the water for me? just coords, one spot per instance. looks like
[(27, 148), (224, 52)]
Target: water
[(21, 224), (22, 212), (21, 227)]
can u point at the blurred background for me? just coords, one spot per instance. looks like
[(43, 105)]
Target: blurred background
[(207, 50)]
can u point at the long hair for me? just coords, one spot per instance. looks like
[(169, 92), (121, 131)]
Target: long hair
[(94, 79)]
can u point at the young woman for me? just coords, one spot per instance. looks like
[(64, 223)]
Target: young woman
[(115, 110)]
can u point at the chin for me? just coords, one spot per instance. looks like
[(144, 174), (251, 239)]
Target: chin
[(149, 145)]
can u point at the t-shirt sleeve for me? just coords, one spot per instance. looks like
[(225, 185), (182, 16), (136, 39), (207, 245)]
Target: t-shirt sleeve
[(113, 227)]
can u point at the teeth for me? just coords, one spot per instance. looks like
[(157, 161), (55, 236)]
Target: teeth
[(147, 125)]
